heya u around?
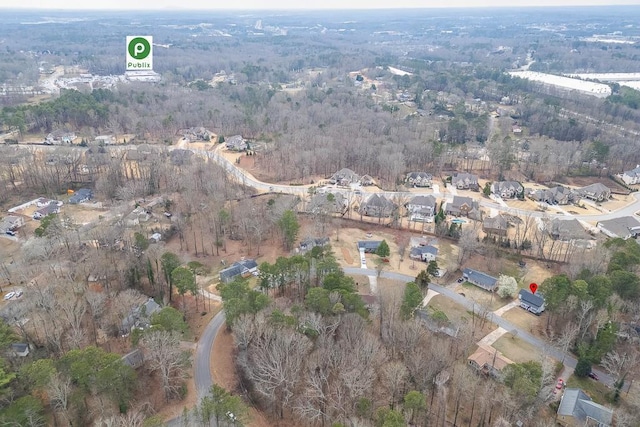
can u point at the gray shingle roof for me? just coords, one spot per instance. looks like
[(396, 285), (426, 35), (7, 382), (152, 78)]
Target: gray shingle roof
[(534, 300), (577, 404), (479, 278), (237, 268), (369, 244), (621, 227)]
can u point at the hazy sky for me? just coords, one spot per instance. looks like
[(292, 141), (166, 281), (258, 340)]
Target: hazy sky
[(291, 4)]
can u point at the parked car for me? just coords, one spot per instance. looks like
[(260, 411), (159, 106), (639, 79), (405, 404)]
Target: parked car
[(593, 375), (18, 293), (168, 214), (460, 280), (560, 384), (9, 295), (10, 232)]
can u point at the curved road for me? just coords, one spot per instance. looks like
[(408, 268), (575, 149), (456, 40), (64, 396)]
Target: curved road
[(544, 347), (249, 180)]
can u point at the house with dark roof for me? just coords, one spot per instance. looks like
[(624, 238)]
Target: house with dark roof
[(80, 196), (567, 230), (419, 179), (507, 189), (377, 206), (496, 225), (531, 302), (310, 243), (463, 206), (344, 177), (555, 196), (480, 279), (368, 246), (140, 316), (597, 192), (134, 359), (51, 209), (623, 227), (421, 208), (424, 253), (577, 409), (631, 177), (465, 181), (20, 349), (243, 268)]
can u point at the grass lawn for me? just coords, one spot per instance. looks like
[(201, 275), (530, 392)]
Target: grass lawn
[(597, 391), (516, 349), (480, 296), (454, 311)]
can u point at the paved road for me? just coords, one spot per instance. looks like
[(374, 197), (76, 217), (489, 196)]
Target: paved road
[(202, 362), (249, 180), (543, 346)]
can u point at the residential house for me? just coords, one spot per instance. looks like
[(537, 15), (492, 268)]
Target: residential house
[(555, 196), (597, 192), (377, 206), (531, 302), (155, 238), (567, 230), (419, 179), (480, 279), (20, 349), (631, 177), (137, 216), (507, 189), (52, 208), (344, 177), (134, 359), (577, 409), (421, 208), (242, 268), (366, 181), (463, 206), (11, 223), (516, 129), (195, 134), (140, 316), (105, 139), (623, 227), (323, 203), (489, 361), (465, 181), (60, 136), (80, 196), (424, 253), (310, 243), (42, 202), (236, 143), (496, 225), (368, 246)]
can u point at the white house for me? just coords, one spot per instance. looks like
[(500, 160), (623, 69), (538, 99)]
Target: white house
[(632, 176)]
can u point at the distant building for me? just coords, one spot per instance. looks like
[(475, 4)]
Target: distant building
[(105, 139), (310, 243), (480, 279), (555, 196), (631, 177), (597, 192), (11, 223), (419, 179), (567, 230), (80, 196), (496, 225), (60, 136), (20, 349), (424, 253), (421, 208), (236, 143), (377, 206), (139, 317), (369, 246), (507, 189), (243, 268), (463, 206), (51, 209), (344, 177), (465, 181), (134, 359)]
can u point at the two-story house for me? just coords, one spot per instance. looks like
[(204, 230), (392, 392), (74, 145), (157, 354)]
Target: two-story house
[(377, 206), (465, 181), (419, 179), (507, 189), (421, 208)]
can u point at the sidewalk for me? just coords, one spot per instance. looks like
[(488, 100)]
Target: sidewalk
[(492, 337), (427, 298), (502, 310)]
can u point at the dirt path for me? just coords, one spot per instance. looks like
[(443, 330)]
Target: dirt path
[(347, 256)]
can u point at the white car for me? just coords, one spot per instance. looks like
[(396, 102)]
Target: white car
[(18, 293), (9, 295)]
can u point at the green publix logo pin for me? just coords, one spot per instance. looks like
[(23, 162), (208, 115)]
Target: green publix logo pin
[(139, 53)]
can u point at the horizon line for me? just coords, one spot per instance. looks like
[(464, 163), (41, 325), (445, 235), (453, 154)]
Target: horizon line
[(310, 9)]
